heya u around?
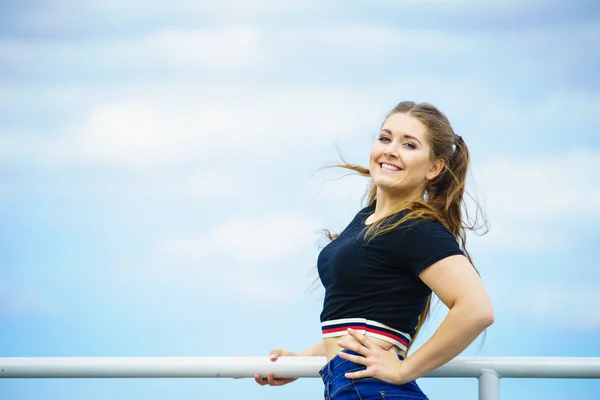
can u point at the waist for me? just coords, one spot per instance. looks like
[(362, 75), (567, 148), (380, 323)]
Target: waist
[(332, 347), (374, 329)]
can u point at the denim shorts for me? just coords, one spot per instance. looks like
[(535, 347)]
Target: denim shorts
[(338, 387)]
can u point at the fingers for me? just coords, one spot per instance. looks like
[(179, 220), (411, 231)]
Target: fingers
[(350, 345), (269, 380), (355, 346), (365, 373), (363, 339), (276, 353), (260, 380), (353, 358)]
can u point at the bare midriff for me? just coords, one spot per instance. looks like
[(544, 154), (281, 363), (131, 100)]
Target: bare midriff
[(332, 348)]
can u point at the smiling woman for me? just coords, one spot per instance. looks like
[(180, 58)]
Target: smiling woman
[(379, 273)]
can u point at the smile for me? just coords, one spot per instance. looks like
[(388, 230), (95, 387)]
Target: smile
[(389, 167)]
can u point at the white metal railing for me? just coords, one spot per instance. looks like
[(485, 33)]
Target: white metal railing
[(488, 370)]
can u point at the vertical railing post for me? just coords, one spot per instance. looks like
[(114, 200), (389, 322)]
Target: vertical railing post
[(489, 385)]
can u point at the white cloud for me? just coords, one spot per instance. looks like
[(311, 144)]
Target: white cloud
[(244, 126), (566, 306), (58, 12), (228, 48), (246, 47), (233, 125), (199, 142), (17, 147), (534, 45), (532, 202), (203, 183), (220, 48), (61, 13), (258, 257), (232, 6), (473, 7), (386, 42), (210, 184), (252, 240), (517, 235), (475, 3), (542, 188)]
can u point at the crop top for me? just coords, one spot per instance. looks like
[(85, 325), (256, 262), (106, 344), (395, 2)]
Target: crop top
[(374, 286)]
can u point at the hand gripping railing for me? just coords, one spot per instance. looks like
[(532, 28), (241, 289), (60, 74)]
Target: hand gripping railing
[(488, 370)]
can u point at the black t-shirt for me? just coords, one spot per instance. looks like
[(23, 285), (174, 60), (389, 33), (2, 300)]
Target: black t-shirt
[(378, 279)]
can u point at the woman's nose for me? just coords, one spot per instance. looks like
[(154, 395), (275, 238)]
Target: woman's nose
[(390, 152)]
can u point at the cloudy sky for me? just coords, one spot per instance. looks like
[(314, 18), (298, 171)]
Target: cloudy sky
[(158, 193)]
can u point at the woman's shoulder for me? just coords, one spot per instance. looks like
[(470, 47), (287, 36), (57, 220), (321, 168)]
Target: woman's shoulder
[(423, 242), (419, 228)]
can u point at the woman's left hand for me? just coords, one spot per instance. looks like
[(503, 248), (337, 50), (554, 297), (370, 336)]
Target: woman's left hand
[(381, 364)]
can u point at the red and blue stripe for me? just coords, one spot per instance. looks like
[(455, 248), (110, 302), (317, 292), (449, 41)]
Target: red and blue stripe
[(339, 327)]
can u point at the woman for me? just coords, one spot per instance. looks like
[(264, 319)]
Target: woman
[(379, 273)]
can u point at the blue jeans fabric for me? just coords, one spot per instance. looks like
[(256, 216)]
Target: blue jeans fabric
[(338, 387)]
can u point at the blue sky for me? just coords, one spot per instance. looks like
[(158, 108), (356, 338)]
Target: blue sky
[(157, 185)]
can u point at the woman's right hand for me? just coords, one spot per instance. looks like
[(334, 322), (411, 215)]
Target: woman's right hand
[(270, 378)]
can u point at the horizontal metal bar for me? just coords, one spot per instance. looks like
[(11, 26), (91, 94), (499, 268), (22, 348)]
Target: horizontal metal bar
[(285, 367), (522, 367), (158, 367)]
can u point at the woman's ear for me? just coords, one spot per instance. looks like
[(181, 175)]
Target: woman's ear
[(435, 169)]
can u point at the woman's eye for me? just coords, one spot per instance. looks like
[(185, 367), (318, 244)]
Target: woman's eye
[(384, 139), (410, 146)]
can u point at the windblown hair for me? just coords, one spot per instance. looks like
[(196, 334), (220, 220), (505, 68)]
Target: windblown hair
[(443, 199)]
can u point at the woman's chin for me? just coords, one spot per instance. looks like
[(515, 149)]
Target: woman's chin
[(394, 188), (389, 187)]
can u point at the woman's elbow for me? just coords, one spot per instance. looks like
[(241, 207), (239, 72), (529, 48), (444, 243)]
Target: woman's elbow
[(486, 319), (484, 316), (478, 314)]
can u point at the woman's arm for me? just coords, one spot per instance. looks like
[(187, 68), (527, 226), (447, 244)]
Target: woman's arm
[(456, 283), (316, 350)]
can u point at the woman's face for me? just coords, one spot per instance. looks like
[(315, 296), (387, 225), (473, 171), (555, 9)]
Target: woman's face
[(400, 159)]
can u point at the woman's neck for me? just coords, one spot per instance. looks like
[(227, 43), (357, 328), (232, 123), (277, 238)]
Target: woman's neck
[(387, 204)]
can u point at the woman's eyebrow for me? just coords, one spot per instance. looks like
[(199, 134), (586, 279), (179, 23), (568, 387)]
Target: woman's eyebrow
[(405, 135)]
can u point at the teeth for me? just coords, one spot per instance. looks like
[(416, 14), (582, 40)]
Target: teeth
[(390, 167)]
